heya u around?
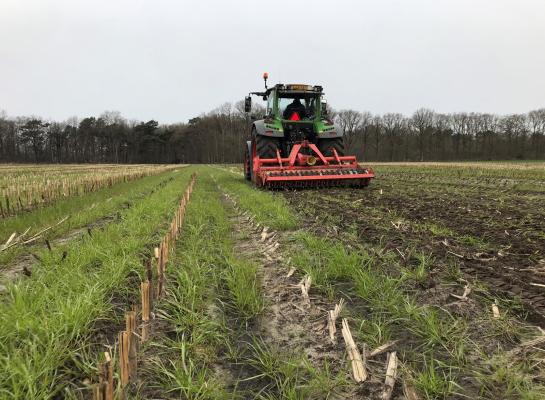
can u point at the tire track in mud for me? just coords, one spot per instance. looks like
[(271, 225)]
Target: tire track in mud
[(501, 271)]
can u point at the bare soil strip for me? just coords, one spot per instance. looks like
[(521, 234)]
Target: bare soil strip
[(504, 252)]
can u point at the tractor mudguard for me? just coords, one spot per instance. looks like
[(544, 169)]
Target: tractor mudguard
[(261, 129), (337, 131)]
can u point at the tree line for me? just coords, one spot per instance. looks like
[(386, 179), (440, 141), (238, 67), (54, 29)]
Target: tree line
[(218, 137)]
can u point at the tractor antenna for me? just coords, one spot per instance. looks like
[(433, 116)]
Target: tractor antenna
[(265, 77)]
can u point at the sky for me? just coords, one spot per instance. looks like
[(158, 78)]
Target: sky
[(172, 60)]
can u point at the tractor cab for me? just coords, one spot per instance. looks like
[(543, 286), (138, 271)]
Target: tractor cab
[(293, 102), (295, 112), (296, 102)]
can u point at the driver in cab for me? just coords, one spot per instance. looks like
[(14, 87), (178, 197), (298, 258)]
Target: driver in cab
[(295, 110)]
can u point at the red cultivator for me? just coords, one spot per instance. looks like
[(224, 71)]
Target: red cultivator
[(306, 166)]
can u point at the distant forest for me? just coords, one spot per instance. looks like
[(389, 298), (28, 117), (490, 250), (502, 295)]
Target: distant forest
[(218, 136)]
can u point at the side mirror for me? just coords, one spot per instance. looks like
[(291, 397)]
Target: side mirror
[(324, 108), (248, 104)]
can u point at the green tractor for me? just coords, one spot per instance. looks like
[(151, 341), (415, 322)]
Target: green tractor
[(297, 144)]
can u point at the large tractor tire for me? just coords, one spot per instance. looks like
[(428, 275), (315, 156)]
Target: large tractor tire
[(326, 146), (266, 146)]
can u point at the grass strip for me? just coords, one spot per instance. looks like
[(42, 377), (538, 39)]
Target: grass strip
[(42, 319), (81, 209), (272, 212), (280, 374), (205, 279), (210, 288)]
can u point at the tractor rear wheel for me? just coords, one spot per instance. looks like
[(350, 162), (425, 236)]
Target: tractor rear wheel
[(266, 146), (326, 146)]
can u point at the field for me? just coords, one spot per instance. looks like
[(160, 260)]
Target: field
[(436, 271), (23, 187)]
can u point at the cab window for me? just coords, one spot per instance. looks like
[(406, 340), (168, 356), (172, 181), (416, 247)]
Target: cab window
[(270, 105), (309, 102)]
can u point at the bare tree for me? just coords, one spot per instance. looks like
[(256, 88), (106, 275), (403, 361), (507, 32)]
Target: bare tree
[(515, 129), (442, 134), (422, 121), (482, 129), (219, 135), (350, 121), (365, 128), (536, 120), (392, 123), (377, 130), (459, 128)]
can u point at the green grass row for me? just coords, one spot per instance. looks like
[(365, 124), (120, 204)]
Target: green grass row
[(271, 211), (44, 319), (81, 210), (207, 284), (209, 349)]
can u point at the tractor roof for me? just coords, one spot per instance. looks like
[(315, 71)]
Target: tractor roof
[(297, 87), (292, 88)]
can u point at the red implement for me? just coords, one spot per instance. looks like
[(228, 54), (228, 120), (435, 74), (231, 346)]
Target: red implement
[(306, 166)]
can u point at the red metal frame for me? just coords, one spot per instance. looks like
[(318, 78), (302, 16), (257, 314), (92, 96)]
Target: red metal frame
[(295, 168)]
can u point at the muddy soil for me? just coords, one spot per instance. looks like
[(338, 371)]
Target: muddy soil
[(496, 237)]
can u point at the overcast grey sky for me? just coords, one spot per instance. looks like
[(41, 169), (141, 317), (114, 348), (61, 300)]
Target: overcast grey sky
[(172, 60)]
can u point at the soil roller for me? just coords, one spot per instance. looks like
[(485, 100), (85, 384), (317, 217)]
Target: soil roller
[(297, 145)]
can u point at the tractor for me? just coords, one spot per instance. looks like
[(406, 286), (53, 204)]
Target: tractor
[(296, 144)]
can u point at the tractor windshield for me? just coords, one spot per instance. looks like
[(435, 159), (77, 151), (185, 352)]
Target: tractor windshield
[(297, 106)]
